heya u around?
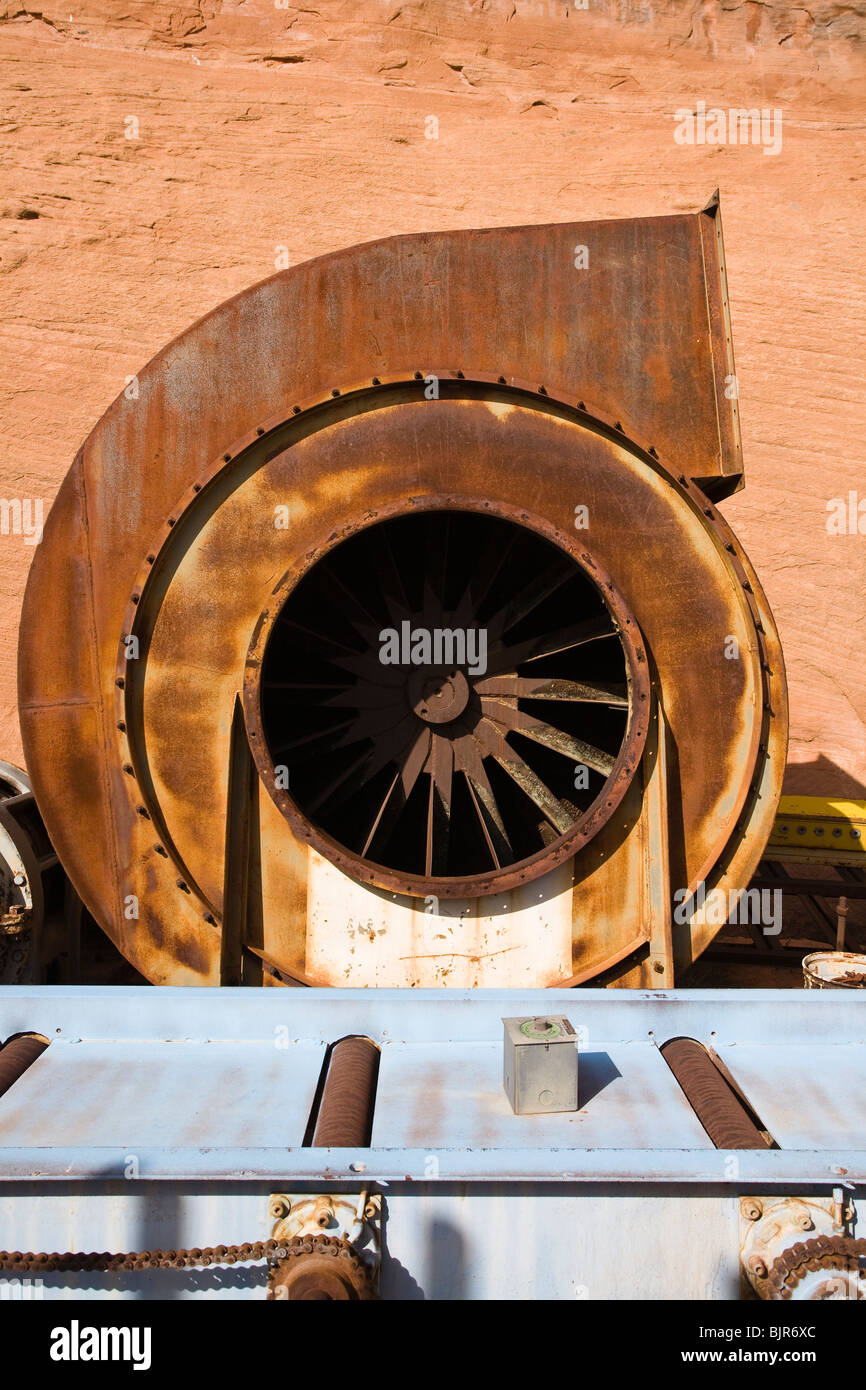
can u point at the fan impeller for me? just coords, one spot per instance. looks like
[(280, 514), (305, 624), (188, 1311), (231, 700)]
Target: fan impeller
[(450, 692)]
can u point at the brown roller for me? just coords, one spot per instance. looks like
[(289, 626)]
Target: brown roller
[(345, 1118), (17, 1055), (719, 1110)]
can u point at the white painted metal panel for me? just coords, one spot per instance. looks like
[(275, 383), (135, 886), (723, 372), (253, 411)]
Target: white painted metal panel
[(434, 1097), (135, 1095), (358, 936), (808, 1096)]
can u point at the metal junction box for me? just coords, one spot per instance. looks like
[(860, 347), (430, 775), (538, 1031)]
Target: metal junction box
[(540, 1065)]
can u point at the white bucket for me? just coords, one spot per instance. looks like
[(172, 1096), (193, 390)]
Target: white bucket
[(834, 970)]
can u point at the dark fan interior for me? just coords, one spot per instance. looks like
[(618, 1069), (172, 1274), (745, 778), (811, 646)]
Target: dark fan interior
[(374, 757)]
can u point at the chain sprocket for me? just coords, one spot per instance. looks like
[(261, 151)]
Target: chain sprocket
[(839, 1255), (330, 1271)]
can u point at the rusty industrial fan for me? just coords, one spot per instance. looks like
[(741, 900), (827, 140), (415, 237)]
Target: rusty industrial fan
[(403, 642)]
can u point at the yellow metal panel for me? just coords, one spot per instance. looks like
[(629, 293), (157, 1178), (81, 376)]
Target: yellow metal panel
[(818, 827)]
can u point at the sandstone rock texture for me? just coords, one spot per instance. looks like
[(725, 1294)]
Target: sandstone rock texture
[(158, 157)]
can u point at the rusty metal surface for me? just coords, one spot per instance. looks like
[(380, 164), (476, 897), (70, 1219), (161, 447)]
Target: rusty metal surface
[(345, 1116), (720, 1111), (71, 1261), (307, 393), (17, 1055), (322, 1269), (823, 1267)]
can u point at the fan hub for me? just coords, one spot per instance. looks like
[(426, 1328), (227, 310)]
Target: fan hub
[(438, 697)]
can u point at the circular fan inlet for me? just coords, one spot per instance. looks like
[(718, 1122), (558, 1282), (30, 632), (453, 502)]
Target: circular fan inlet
[(449, 702)]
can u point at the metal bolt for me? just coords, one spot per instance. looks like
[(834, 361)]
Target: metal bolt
[(751, 1208), (279, 1207), (757, 1267), (323, 1212), (19, 880), (804, 1221)]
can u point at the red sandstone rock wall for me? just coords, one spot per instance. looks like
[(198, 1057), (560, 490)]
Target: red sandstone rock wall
[(266, 131)]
